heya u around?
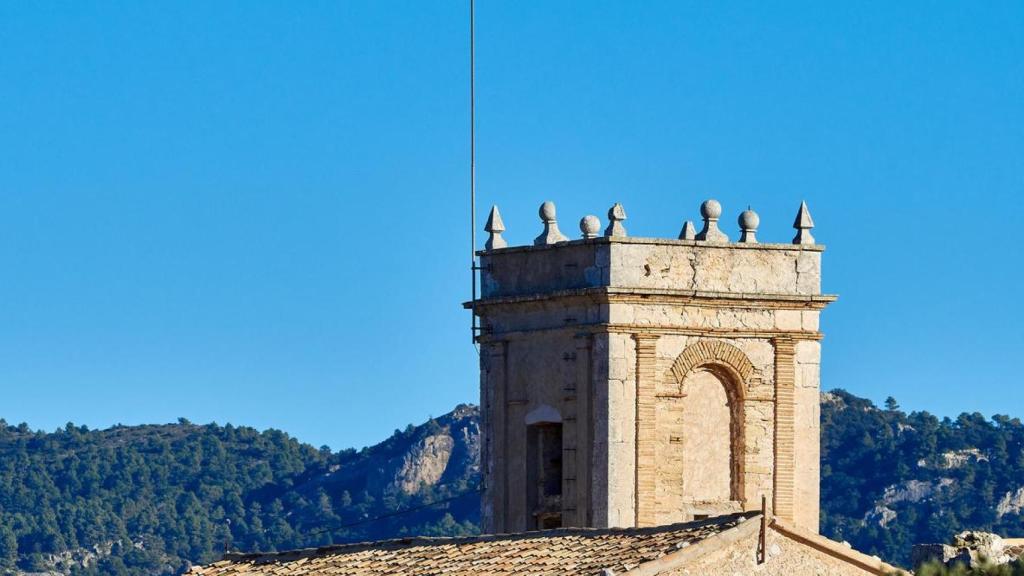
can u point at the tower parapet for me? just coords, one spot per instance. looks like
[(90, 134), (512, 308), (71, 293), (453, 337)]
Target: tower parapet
[(636, 381)]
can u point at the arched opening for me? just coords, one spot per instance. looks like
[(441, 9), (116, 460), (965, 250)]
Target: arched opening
[(544, 474), (708, 433), (706, 461), (710, 438), (544, 467)]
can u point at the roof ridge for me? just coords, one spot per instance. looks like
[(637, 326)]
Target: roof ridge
[(409, 541), (840, 550)]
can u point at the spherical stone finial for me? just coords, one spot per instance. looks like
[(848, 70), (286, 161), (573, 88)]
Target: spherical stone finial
[(547, 211), (551, 233), (590, 225), (749, 221), (711, 209)]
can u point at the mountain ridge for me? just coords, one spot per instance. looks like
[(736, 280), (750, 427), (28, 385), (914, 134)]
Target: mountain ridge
[(154, 499)]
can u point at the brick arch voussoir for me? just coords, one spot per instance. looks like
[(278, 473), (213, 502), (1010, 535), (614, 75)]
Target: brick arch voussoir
[(712, 352)]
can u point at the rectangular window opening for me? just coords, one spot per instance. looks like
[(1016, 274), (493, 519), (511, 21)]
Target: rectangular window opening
[(544, 475)]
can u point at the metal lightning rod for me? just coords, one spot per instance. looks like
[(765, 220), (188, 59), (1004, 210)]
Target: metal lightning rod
[(472, 159)]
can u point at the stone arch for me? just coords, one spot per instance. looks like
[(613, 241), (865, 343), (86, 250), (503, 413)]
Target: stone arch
[(717, 355), (734, 371), (543, 414)]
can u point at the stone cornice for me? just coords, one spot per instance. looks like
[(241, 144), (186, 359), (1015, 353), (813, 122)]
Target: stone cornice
[(659, 330), (605, 295)]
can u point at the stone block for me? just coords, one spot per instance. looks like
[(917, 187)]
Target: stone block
[(808, 352), (788, 320), (809, 321)]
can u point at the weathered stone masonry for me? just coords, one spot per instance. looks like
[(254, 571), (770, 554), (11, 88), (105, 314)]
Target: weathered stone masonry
[(630, 382), (678, 377)]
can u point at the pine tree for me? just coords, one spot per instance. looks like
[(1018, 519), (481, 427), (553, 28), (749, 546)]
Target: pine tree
[(8, 547)]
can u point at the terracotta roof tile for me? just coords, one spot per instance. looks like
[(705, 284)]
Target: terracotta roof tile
[(560, 552)]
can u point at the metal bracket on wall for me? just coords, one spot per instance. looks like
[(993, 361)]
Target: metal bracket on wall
[(764, 527)]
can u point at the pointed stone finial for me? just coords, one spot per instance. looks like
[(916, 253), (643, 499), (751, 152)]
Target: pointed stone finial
[(689, 231), (590, 225), (616, 214), (551, 233), (803, 225), (749, 220), (711, 211), (495, 227)]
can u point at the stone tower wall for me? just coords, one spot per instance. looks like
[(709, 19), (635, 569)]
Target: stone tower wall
[(632, 345)]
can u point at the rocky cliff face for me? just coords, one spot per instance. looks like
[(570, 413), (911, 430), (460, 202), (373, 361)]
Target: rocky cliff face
[(424, 463), (437, 460), (971, 549), (1011, 503), (444, 450), (79, 560)]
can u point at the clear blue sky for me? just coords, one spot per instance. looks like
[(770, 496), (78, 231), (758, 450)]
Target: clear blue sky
[(238, 211)]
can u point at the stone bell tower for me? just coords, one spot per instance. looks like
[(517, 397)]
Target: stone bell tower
[(643, 381)]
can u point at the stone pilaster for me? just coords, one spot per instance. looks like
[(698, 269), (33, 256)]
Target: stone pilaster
[(785, 415), (493, 383), (517, 518), (602, 437), (571, 429), (493, 394), (584, 418), (646, 429)]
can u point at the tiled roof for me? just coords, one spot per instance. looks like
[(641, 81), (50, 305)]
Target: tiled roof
[(562, 552)]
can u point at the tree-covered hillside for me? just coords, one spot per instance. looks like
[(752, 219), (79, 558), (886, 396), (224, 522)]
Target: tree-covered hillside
[(891, 479), (151, 499)]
